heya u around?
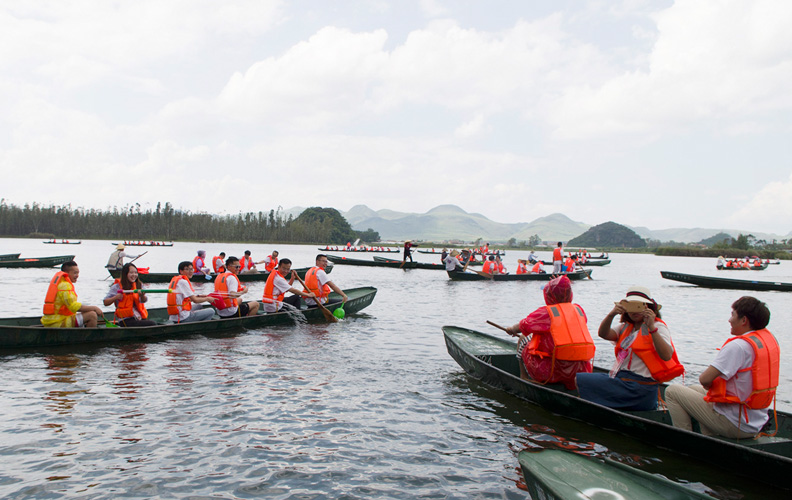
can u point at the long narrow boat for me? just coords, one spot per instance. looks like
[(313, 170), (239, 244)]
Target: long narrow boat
[(727, 283), (562, 475), (37, 261), (62, 242), (460, 276), (201, 278), (145, 244), (493, 361), (751, 267), (360, 249), (9, 256), (595, 262), (27, 332), (383, 262)]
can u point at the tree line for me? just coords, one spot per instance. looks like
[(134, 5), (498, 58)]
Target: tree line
[(165, 223)]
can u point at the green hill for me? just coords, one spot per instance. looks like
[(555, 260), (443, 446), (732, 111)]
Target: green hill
[(609, 235)]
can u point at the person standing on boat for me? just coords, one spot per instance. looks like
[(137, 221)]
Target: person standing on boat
[(184, 306), (277, 286), (129, 303), (228, 289), (61, 309), (218, 264), (555, 343), (739, 385), (408, 245), (645, 356), (116, 260), (199, 263), (558, 258), (317, 282)]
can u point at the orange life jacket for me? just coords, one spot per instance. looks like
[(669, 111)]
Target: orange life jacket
[(764, 372), (198, 267), (489, 267), (52, 291), (570, 265), (218, 265), (273, 263), (537, 268), (522, 269), (501, 269), (557, 254), (247, 263), (269, 289), (221, 285), (125, 308), (174, 308), (643, 346), (570, 334), (312, 283)]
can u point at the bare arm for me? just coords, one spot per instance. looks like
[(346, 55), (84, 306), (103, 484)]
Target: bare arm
[(709, 375), (663, 348), (605, 331), (337, 290)]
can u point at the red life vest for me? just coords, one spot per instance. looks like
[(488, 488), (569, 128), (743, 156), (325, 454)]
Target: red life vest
[(218, 265), (570, 334), (52, 291), (125, 308), (174, 308), (198, 264), (247, 263), (273, 263), (221, 285), (312, 283), (269, 289), (557, 255), (764, 372), (570, 264), (489, 267), (522, 269), (643, 346), (537, 268)]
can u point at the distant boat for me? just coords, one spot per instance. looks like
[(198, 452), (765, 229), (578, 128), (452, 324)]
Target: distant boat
[(727, 283), (37, 261), (61, 242), (144, 244)]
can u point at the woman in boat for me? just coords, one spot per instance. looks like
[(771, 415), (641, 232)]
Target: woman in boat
[(555, 343), (645, 356), (130, 310)]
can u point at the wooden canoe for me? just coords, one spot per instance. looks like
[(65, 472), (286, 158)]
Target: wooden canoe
[(37, 261), (28, 332), (143, 244), (466, 276), (9, 256), (201, 278), (383, 262), (727, 283), (595, 262), (359, 250), (749, 268), (561, 475), (493, 361), (62, 242)]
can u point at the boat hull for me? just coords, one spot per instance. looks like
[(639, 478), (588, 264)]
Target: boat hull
[(37, 261), (201, 278), (384, 262), (9, 256), (727, 283)]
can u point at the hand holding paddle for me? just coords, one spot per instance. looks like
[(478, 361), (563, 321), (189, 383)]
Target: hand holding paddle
[(502, 328), (325, 311)]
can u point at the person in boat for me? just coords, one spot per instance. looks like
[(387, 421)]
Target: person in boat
[(538, 268), (444, 254), (61, 309), (184, 305), (555, 344), (199, 263), (739, 386), (645, 356), (522, 266), (317, 282), (720, 263), (270, 261), (452, 263), (558, 258), (408, 245), (569, 265), (532, 257), (490, 266), (228, 290), (277, 286), (218, 264), (116, 260), (248, 265), (499, 265), (129, 299)]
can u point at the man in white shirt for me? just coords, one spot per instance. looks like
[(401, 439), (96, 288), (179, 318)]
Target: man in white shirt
[(319, 284), (183, 292), (228, 290), (277, 286)]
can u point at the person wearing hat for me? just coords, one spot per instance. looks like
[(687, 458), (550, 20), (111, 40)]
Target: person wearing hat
[(452, 263), (408, 245), (645, 355), (116, 260), (522, 266)]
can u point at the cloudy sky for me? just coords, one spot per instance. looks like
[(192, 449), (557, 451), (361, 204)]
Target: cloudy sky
[(649, 113)]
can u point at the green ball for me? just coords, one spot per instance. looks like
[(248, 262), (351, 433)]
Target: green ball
[(339, 313)]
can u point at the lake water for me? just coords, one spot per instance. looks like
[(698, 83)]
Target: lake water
[(370, 407)]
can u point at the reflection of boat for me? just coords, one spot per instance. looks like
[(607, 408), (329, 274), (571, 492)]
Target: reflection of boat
[(460, 276), (360, 249), (560, 475), (727, 283), (9, 256), (147, 277), (61, 242), (37, 261), (493, 361), (145, 244), (28, 332)]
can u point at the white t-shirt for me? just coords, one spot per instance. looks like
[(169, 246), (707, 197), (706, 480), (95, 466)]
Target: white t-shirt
[(322, 278), (232, 282), (183, 291), (451, 263), (279, 286), (732, 358), (632, 362)]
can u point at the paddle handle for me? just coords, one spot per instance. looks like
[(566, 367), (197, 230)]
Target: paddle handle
[(139, 256), (501, 327), (325, 311)]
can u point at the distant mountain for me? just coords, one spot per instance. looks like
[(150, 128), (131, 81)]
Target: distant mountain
[(608, 234)]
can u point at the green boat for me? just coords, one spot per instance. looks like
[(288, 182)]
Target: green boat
[(460, 276), (383, 262), (595, 262), (751, 267), (9, 256), (201, 278), (727, 283), (37, 261), (493, 361), (562, 475), (16, 333), (360, 250)]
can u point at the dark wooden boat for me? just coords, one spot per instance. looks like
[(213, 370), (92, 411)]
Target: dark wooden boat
[(749, 268), (595, 262), (359, 250), (37, 261), (561, 475), (466, 276), (28, 332), (145, 244), (727, 283), (9, 256), (201, 278), (493, 361), (383, 262), (62, 242)]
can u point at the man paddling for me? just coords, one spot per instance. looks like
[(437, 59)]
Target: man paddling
[(228, 289), (61, 309), (277, 286), (317, 282), (182, 299), (116, 260)]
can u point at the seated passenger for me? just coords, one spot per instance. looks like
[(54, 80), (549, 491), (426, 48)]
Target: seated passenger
[(490, 266), (538, 268), (740, 384), (277, 286), (522, 267), (218, 264), (129, 304), (555, 343), (645, 356), (61, 309), (228, 289), (182, 299), (199, 263)]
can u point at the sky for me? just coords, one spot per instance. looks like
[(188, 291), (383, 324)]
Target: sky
[(659, 114)]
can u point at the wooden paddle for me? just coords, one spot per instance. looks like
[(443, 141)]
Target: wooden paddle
[(501, 327), (325, 311)]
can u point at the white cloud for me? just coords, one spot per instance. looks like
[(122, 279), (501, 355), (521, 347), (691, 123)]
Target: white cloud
[(764, 210)]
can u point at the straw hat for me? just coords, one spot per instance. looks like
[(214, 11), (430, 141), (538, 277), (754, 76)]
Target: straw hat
[(640, 294), (454, 253), (120, 246)]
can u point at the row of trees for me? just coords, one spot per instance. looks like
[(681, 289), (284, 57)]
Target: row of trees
[(314, 225)]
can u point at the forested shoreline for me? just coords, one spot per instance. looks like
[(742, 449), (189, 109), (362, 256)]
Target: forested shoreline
[(164, 223)]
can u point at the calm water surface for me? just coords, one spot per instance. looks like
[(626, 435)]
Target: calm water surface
[(370, 407)]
